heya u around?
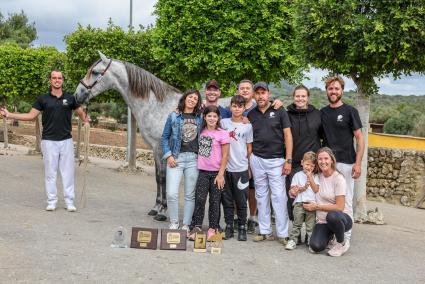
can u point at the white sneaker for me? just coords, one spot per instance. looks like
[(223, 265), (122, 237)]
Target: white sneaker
[(339, 249), (174, 226), (185, 228), (50, 207), (332, 242), (291, 245), (71, 208)]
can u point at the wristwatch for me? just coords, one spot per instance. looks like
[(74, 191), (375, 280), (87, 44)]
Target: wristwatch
[(289, 161)]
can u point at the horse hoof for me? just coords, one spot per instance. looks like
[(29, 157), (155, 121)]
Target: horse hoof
[(160, 217), (153, 212)]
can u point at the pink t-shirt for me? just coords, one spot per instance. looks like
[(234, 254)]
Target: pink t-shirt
[(209, 153), (329, 188)]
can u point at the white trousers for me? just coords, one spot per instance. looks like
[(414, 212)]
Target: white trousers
[(345, 170), (270, 184), (59, 154)]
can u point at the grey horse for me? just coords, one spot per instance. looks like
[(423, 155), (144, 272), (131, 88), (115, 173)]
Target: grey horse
[(150, 100)]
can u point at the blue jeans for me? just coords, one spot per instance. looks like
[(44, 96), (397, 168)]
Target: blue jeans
[(187, 166)]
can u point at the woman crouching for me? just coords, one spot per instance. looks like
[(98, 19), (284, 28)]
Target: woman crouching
[(334, 212)]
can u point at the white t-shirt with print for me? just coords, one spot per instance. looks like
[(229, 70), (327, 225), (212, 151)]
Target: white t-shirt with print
[(240, 135)]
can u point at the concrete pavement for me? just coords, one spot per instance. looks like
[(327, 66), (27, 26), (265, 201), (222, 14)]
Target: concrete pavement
[(39, 246)]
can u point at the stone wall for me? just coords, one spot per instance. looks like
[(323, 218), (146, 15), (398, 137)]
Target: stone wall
[(396, 176), (118, 153)]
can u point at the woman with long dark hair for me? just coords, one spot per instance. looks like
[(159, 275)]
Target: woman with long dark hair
[(179, 144)]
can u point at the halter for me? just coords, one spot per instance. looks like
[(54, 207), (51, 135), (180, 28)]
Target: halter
[(89, 87)]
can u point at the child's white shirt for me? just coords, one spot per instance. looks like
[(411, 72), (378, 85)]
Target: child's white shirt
[(300, 179)]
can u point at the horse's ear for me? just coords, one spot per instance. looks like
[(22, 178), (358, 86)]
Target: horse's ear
[(102, 56)]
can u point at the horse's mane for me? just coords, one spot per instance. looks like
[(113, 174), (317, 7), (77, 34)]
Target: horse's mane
[(89, 71), (141, 82)]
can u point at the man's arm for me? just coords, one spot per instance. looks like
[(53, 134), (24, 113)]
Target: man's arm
[(33, 113), (357, 168), (288, 148), (82, 115)]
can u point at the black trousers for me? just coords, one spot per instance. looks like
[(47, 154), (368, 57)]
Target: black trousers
[(337, 223), (235, 191), (204, 185)]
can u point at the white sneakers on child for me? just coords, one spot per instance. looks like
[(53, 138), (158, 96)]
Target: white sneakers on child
[(339, 249), (291, 245)]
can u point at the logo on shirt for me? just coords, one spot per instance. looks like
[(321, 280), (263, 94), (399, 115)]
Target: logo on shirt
[(272, 114), (233, 134), (189, 131), (65, 102), (205, 146), (339, 118)]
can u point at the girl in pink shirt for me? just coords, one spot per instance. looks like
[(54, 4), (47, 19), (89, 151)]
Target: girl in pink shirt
[(213, 153)]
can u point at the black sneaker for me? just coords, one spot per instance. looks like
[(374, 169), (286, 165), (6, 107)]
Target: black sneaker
[(242, 233), (228, 233), (251, 227)]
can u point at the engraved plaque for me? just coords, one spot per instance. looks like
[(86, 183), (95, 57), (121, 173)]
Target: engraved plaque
[(144, 238), (173, 239)]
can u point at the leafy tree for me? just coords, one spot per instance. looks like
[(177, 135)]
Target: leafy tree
[(419, 128), (362, 39), (16, 29), (24, 72), (403, 123), (224, 40)]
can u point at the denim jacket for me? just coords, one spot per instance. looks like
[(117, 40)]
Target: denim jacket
[(171, 138)]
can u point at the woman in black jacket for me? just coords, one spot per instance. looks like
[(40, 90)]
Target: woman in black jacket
[(307, 132)]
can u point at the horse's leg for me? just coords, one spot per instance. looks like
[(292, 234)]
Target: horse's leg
[(154, 211), (161, 186)]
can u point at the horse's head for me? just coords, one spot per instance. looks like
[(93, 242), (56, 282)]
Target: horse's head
[(95, 81)]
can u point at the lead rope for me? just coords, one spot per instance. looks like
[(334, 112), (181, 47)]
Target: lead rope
[(83, 199)]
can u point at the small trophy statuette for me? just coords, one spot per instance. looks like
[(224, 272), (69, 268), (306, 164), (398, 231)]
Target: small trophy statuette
[(119, 238), (200, 244), (216, 242)]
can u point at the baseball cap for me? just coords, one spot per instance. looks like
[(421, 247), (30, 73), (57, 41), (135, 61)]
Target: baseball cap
[(212, 83), (261, 84)]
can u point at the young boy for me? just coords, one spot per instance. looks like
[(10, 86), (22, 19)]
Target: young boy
[(304, 185), (237, 170)]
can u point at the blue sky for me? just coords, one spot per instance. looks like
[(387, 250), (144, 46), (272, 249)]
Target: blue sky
[(55, 19)]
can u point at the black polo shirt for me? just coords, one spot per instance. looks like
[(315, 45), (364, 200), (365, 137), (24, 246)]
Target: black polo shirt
[(57, 114), (267, 129)]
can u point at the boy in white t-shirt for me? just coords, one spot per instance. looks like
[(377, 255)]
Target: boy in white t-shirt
[(237, 170), (303, 188)]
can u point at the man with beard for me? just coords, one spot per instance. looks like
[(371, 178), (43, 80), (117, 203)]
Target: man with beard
[(212, 94), (271, 161), (341, 123)]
